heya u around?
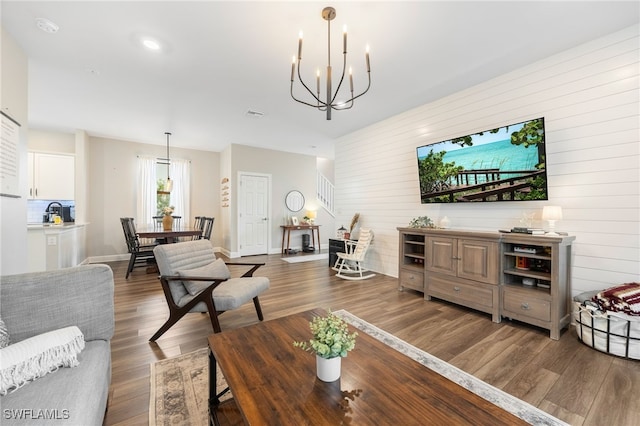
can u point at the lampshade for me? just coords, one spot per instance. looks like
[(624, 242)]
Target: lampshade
[(552, 213), (311, 214)]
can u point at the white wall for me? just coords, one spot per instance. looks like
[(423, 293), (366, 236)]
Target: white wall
[(112, 190), (13, 211), (288, 172), (589, 98), (47, 141)]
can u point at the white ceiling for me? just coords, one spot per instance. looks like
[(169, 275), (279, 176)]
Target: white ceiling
[(223, 58)]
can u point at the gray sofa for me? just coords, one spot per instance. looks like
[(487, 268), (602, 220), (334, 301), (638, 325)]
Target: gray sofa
[(34, 303)]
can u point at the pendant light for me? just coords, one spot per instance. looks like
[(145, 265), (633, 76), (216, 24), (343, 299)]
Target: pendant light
[(168, 186)]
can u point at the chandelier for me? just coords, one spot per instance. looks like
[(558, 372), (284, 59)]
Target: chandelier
[(328, 14)]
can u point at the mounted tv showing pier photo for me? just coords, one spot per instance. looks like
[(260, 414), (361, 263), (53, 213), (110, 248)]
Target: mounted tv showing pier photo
[(502, 164)]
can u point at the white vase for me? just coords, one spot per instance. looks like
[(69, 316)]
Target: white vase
[(445, 222), (328, 369)]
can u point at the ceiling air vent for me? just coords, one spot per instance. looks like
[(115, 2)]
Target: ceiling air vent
[(255, 114)]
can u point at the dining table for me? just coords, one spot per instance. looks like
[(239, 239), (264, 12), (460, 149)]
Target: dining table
[(169, 236)]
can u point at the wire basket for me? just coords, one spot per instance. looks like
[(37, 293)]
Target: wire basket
[(614, 333)]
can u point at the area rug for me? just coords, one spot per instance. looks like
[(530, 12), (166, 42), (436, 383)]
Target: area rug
[(180, 389), (306, 258)]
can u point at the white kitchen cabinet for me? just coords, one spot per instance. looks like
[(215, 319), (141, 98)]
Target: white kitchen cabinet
[(51, 176)]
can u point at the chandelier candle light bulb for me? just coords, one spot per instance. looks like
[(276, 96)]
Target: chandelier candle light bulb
[(351, 80), (300, 47), (366, 56), (344, 40)]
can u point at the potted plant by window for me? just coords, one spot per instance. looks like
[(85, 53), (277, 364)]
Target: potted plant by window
[(331, 341)]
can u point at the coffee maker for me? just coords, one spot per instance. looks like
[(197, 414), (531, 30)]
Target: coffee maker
[(53, 209)]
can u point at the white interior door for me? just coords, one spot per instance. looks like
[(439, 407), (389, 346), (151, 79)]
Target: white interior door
[(254, 214)]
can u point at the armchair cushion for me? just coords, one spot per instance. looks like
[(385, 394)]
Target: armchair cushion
[(215, 269), (231, 294), (236, 292)]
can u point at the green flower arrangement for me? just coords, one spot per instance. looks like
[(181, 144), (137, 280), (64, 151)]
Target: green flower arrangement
[(421, 222), (331, 337)]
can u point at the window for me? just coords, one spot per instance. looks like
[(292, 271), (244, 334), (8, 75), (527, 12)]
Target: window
[(162, 197), (151, 197)]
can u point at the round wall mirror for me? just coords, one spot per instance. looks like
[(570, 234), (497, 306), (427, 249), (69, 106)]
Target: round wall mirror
[(294, 201)]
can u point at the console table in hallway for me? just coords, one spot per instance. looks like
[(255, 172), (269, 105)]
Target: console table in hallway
[(286, 234)]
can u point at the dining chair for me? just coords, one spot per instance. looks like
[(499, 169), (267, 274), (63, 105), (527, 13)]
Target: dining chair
[(177, 221), (197, 224), (157, 222), (207, 227), (140, 254)]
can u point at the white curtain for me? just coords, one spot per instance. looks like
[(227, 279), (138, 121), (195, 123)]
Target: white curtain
[(147, 191), (180, 172), (147, 203)]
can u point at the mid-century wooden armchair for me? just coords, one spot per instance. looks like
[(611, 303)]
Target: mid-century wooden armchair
[(193, 280)]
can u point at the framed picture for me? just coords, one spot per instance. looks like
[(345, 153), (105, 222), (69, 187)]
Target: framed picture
[(294, 221)]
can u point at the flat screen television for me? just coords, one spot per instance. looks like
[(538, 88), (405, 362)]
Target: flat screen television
[(502, 164)]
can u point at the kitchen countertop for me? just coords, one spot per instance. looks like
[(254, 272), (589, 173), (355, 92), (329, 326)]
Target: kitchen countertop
[(52, 227)]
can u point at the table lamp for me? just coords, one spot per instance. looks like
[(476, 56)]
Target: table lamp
[(551, 214), (311, 214)]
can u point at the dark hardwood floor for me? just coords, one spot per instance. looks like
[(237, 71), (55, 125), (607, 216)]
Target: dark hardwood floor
[(565, 378)]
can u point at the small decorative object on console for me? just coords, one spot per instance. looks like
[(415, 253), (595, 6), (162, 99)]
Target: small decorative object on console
[(421, 222), (445, 223), (527, 249), (532, 231), (354, 222)]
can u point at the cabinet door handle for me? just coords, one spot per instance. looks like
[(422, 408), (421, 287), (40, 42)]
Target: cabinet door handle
[(525, 306), (456, 288), (30, 192)]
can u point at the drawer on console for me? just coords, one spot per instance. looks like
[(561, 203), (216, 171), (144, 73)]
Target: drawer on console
[(525, 304), (466, 294), (412, 279)]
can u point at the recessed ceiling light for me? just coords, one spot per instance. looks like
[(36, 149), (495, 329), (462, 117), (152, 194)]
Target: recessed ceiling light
[(47, 26), (150, 44)]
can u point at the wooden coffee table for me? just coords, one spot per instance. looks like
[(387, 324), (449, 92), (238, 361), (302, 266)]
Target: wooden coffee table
[(274, 383)]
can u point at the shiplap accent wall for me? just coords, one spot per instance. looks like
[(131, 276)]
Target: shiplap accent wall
[(589, 97)]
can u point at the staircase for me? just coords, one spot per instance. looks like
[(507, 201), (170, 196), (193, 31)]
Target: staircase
[(325, 193)]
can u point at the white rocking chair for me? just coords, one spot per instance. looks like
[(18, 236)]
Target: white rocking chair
[(349, 264)]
